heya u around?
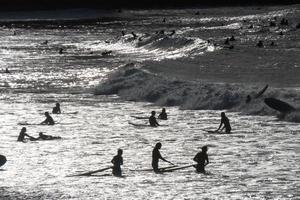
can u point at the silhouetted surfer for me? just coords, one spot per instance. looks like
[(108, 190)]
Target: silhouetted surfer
[(117, 161), (49, 120), (6, 71), (152, 119), (260, 44), (23, 134), (47, 137), (61, 51), (202, 160), (134, 35), (56, 109), (225, 122), (156, 156), (163, 115), (248, 99)]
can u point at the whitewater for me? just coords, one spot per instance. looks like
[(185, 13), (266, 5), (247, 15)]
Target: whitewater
[(114, 66)]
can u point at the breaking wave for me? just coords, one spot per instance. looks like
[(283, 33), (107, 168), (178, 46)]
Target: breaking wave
[(133, 83)]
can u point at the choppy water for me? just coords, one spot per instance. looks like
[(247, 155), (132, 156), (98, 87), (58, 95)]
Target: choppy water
[(260, 160)]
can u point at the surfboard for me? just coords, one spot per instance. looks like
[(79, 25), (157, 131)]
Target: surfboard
[(279, 105), (177, 168), (91, 172), (2, 160), (261, 92), (139, 125)]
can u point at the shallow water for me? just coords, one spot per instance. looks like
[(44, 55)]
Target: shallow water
[(259, 160)]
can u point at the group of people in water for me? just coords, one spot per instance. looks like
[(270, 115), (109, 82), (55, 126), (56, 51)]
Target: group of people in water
[(48, 121), (201, 158)]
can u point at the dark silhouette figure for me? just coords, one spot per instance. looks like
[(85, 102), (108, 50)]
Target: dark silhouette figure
[(7, 71), (117, 161), (272, 24), (260, 44), (281, 33), (298, 26), (123, 33), (162, 32), (202, 160), (45, 42), (272, 43), (226, 41), (134, 35), (164, 20), (49, 120), (152, 119), (2, 160), (225, 122), (156, 156), (248, 99), (197, 13), (172, 32), (47, 137), (106, 53), (232, 38), (61, 51), (56, 109), (163, 115), (251, 26), (23, 134), (284, 22)]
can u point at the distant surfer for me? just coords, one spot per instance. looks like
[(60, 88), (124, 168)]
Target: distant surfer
[(49, 120), (134, 35), (42, 136), (152, 119), (163, 115), (45, 42), (22, 135), (106, 53), (56, 109), (260, 44), (225, 122), (117, 161), (248, 99), (6, 71), (61, 51), (2, 160), (202, 160), (156, 156)]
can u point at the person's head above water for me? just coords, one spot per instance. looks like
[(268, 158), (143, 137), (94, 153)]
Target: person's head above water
[(46, 113), (153, 113), (158, 145), (57, 105), (23, 129), (223, 114), (163, 110), (204, 148), (41, 134), (120, 152)]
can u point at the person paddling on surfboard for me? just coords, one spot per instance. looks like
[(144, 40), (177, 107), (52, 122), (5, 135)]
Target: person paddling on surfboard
[(56, 109), (156, 156), (49, 120), (42, 136), (23, 134), (117, 161), (202, 160), (225, 122), (163, 115), (152, 120)]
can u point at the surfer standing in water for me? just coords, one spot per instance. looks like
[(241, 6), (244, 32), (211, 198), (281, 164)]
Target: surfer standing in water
[(156, 156), (225, 122), (56, 109), (152, 120), (49, 120), (163, 115), (202, 160), (117, 161)]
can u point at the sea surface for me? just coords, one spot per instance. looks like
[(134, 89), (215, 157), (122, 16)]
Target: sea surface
[(177, 60)]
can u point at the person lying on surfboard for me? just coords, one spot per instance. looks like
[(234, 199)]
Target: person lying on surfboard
[(225, 122), (22, 135), (56, 109), (202, 160), (49, 120), (163, 115), (42, 136), (117, 161), (152, 119), (156, 156)]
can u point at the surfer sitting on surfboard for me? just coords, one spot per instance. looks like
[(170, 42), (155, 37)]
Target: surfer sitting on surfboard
[(117, 161), (49, 120), (225, 122), (23, 134), (156, 156), (200, 158), (152, 119), (163, 115), (56, 109)]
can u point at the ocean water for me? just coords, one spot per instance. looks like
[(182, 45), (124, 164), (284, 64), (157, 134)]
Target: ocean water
[(192, 73)]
